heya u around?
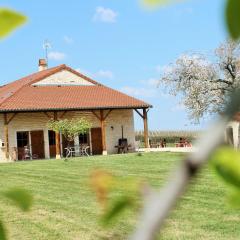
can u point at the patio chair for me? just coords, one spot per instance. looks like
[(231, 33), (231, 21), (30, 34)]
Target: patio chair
[(137, 146), (27, 154)]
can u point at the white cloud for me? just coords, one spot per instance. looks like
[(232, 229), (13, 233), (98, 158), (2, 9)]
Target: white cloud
[(84, 72), (187, 10), (184, 11), (56, 56), (159, 68), (106, 15), (104, 74), (178, 107), (143, 92), (67, 39), (151, 82)]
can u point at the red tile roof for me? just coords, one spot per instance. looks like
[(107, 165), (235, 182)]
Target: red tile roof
[(21, 95)]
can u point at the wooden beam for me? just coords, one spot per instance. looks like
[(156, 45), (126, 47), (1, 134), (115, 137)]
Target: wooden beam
[(49, 116), (57, 138), (99, 118), (109, 111), (103, 132), (11, 118), (141, 115), (145, 121), (6, 135), (63, 114)]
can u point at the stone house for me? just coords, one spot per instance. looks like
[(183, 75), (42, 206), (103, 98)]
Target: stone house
[(26, 106)]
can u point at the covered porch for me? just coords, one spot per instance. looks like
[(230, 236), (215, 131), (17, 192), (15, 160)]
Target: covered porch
[(21, 129)]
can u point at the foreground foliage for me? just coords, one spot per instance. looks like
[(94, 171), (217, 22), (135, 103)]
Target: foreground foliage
[(9, 21)]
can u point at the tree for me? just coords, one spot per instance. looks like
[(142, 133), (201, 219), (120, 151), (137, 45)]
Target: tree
[(204, 85), (70, 128)]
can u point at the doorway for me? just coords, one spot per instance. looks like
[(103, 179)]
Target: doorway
[(96, 138), (22, 141), (33, 142), (52, 143), (37, 144)]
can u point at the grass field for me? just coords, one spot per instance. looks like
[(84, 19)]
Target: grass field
[(65, 207)]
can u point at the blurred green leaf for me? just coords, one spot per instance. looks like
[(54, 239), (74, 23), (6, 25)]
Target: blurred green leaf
[(10, 20), (102, 182), (154, 3), (107, 188), (233, 18), (234, 199), (226, 162), (116, 208), (20, 197), (2, 232)]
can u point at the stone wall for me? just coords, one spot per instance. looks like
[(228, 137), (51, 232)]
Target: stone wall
[(63, 78)]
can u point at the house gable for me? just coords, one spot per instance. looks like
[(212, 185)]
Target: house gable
[(64, 78)]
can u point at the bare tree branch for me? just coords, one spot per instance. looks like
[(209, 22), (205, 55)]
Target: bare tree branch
[(158, 204)]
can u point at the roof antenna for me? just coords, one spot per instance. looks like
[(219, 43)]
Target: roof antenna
[(46, 47)]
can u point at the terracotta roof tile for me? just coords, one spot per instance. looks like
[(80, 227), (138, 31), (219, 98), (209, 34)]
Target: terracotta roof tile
[(22, 96)]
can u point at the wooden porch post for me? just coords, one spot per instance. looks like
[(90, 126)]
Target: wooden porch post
[(57, 139), (102, 120), (145, 120), (6, 136)]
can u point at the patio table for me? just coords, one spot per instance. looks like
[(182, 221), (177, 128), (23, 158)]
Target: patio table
[(75, 151)]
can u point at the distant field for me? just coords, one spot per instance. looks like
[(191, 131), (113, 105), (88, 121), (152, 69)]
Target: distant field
[(171, 137), (65, 207)]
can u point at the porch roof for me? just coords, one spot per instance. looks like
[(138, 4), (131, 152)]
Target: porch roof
[(23, 95)]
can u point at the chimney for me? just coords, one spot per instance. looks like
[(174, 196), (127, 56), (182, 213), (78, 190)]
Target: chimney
[(42, 65)]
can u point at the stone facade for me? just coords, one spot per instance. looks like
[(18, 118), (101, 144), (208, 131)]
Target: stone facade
[(63, 78), (38, 121)]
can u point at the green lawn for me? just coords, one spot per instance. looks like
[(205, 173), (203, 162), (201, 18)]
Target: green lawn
[(65, 206)]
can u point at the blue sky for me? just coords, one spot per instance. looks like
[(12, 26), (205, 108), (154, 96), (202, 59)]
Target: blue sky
[(118, 43)]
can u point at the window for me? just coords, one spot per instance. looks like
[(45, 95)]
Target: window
[(51, 138), (83, 138), (22, 139)]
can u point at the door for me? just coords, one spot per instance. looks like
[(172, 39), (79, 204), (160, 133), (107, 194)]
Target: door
[(52, 143), (37, 143), (22, 141), (96, 137)]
